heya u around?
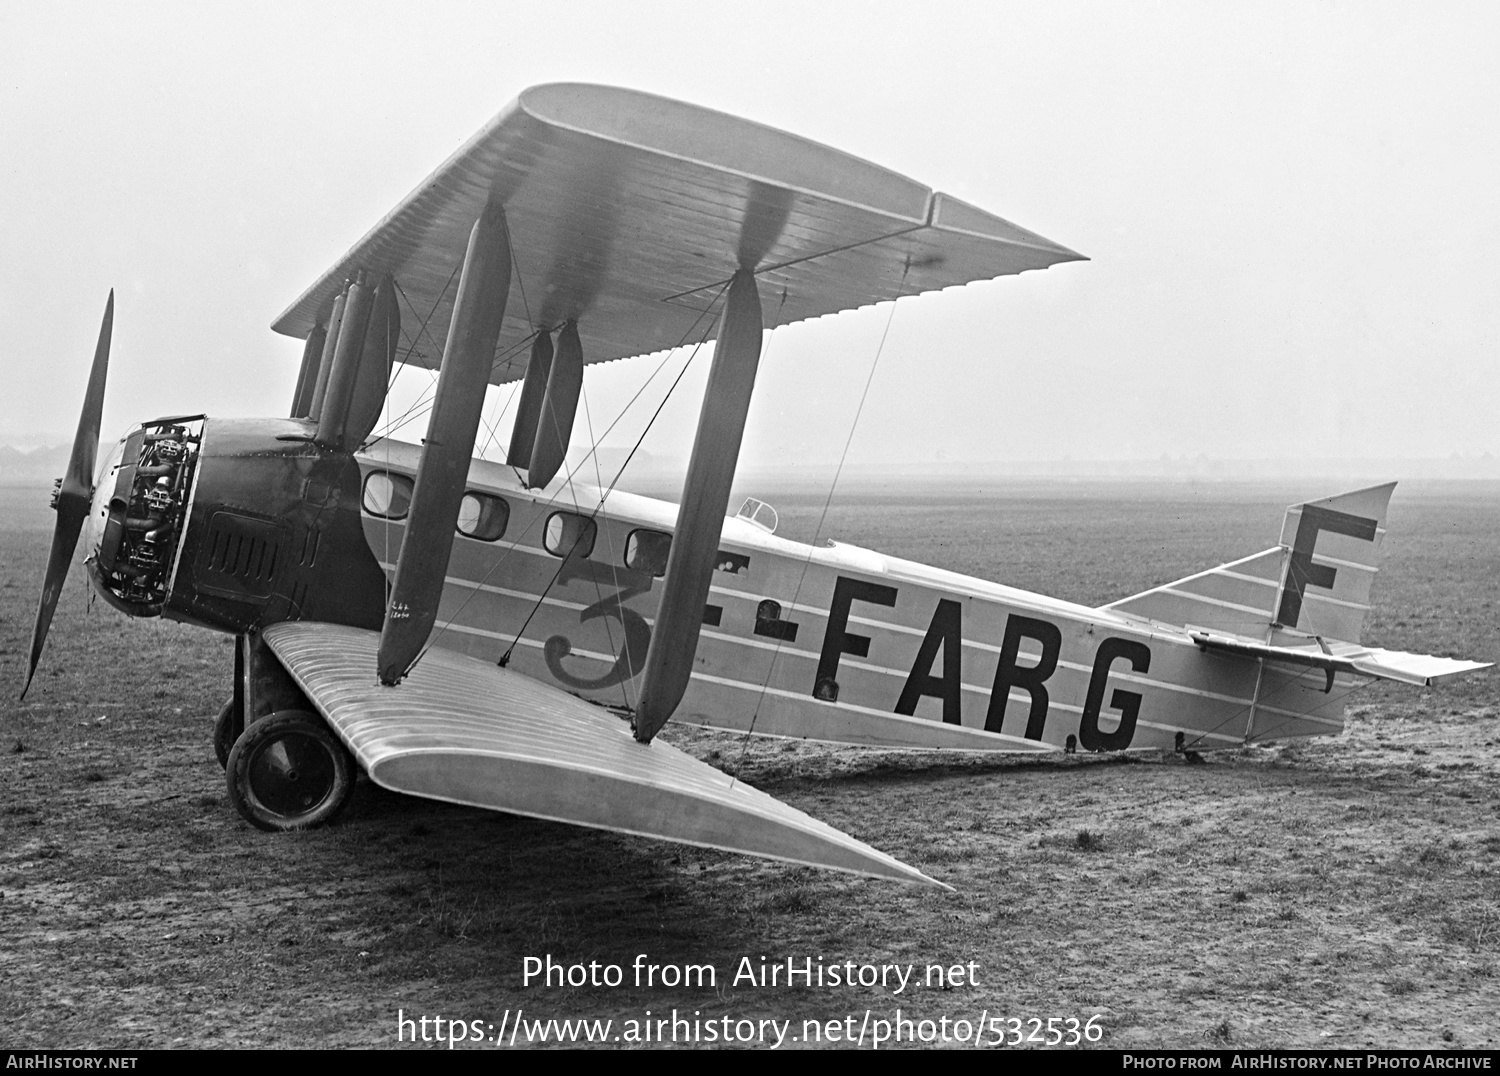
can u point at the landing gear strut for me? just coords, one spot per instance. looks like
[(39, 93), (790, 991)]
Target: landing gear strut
[(227, 728), (231, 720), (289, 771)]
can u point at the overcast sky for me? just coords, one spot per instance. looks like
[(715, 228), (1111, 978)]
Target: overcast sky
[(1292, 210)]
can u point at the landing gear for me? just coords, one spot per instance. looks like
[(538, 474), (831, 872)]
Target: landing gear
[(289, 771), (227, 728)]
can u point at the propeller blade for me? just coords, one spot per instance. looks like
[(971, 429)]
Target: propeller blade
[(74, 494)]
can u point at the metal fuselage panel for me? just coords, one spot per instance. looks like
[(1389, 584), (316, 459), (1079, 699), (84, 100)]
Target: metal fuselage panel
[(273, 533), (856, 647)]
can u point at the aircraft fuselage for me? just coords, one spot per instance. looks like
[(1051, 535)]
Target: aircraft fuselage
[(835, 643)]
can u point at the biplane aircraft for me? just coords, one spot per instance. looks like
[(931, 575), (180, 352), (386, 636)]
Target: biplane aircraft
[(475, 632)]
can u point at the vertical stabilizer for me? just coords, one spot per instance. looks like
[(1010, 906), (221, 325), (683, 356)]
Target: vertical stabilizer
[(1332, 554), (1316, 582)]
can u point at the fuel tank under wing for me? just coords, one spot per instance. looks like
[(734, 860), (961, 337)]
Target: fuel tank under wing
[(465, 731)]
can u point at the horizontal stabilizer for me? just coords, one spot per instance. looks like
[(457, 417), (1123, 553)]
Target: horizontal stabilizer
[(465, 731), (1419, 669)]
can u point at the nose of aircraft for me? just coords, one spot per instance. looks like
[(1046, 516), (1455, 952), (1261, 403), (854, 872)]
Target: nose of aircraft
[(136, 513)]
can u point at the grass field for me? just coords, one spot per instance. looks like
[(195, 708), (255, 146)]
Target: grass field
[(1333, 893)]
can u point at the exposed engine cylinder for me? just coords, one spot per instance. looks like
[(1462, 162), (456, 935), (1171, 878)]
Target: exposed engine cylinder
[(144, 514)]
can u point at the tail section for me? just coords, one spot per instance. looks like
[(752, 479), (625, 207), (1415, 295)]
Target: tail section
[(1298, 610), (1316, 582), (1239, 597), (1332, 552)]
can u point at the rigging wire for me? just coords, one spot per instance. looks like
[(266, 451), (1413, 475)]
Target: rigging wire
[(422, 329), (437, 302), (385, 405), (412, 342), (424, 404), (541, 598), (614, 570), (505, 658), (495, 426), (1259, 699), (532, 334), (828, 501), (1260, 702)]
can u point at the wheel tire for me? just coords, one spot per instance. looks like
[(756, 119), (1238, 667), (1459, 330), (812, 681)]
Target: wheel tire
[(289, 771), (227, 728)]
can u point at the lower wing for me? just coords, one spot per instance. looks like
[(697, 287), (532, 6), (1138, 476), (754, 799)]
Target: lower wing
[(465, 731)]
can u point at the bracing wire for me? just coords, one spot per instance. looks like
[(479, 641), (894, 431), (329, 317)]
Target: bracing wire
[(614, 570), (412, 342), (765, 686), (424, 403), (604, 496), (541, 598), (532, 334)]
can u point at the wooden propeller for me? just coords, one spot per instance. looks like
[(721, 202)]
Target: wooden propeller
[(74, 492)]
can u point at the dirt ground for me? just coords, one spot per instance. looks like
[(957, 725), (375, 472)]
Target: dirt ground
[(1335, 893)]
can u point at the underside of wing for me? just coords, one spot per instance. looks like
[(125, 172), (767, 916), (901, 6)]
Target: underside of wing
[(464, 731), (629, 212)]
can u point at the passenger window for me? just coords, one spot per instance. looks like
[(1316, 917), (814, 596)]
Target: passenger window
[(646, 551), (569, 535), (483, 517), (387, 495)]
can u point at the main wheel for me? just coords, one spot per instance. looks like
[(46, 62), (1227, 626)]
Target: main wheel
[(227, 729), (289, 771)]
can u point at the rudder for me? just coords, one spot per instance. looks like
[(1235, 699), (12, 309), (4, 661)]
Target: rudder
[(1316, 582), (1332, 554)]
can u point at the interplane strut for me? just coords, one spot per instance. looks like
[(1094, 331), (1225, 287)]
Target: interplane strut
[(705, 499), (477, 314)]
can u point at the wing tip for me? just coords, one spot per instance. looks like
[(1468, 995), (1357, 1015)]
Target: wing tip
[(952, 214)]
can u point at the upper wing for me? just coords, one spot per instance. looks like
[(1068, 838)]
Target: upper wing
[(628, 212), (465, 731)]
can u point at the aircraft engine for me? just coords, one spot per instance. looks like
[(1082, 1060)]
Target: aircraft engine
[(137, 513)]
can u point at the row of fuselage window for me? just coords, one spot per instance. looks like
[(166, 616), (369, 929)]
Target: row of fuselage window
[(485, 517)]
